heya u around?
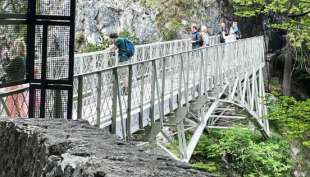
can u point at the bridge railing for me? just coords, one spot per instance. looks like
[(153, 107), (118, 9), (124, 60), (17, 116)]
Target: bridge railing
[(14, 101), (93, 61), (103, 59), (159, 85), (87, 63)]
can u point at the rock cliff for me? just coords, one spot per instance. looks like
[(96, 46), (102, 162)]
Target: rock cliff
[(58, 148), (96, 17)]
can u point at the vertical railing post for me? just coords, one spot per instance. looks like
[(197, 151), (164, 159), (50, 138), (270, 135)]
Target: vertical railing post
[(253, 89), (115, 58), (200, 73), (180, 82), (98, 108), (141, 116), (205, 72), (171, 101), (114, 100), (163, 91), (128, 120), (152, 109), (120, 106), (217, 61), (80, 97), (187, 80)]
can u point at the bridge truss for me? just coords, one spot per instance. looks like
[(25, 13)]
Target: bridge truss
[(223, 74)]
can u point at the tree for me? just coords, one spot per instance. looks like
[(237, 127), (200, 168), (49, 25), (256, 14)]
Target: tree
[(293, 16), (244, 153), (291, 118)]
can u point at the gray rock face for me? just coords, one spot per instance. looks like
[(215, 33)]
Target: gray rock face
[(105, 16), (95, 17), (57, 148)]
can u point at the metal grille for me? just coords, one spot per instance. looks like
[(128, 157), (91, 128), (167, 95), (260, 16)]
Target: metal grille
[(56, 103), (52, 74), (38, 51), (36, 48), (53, 7), (58, 53)]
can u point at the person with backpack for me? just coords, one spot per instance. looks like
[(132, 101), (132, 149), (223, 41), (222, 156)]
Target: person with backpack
[(126, 50), (196, 38)]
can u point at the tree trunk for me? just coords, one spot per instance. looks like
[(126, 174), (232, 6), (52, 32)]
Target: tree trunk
[(287, 71)]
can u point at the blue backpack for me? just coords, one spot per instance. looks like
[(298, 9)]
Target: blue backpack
[(130, 48)]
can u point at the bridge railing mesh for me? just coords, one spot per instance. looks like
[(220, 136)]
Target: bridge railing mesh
[(94, 61)]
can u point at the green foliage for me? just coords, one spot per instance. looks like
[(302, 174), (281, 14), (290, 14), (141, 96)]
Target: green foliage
[(169, 31), (83, 46), (131, 36), (291, 117), (171, 13), (89, 47), (211, 167), (294, 15), (245, 153)]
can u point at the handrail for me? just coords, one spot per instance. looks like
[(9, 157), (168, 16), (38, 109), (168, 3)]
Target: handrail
[(106, 59), (94, 61), (157, 58)]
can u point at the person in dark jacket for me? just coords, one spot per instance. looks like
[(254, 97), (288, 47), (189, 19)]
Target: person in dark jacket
[(196, 38), (223, 32), (4, 60), (15, 71), (16, 68)]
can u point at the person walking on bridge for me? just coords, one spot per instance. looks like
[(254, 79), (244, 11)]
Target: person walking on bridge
[(223, 32), (126, 51), (196, 38), (234, 29), (205, 36)]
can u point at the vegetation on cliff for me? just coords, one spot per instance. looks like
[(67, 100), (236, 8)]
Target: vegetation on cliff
[(173, 15)]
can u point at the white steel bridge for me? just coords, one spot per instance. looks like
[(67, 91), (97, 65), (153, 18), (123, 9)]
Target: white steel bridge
[(164, 78)]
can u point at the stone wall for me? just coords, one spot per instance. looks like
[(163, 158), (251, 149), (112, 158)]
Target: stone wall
[(57, 148)]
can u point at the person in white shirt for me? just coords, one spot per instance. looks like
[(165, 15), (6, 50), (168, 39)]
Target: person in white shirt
[(205, 36)]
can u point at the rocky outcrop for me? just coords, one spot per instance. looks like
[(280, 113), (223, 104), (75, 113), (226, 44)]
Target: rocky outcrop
[(58, 148), (105, 16), (98, 17)]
